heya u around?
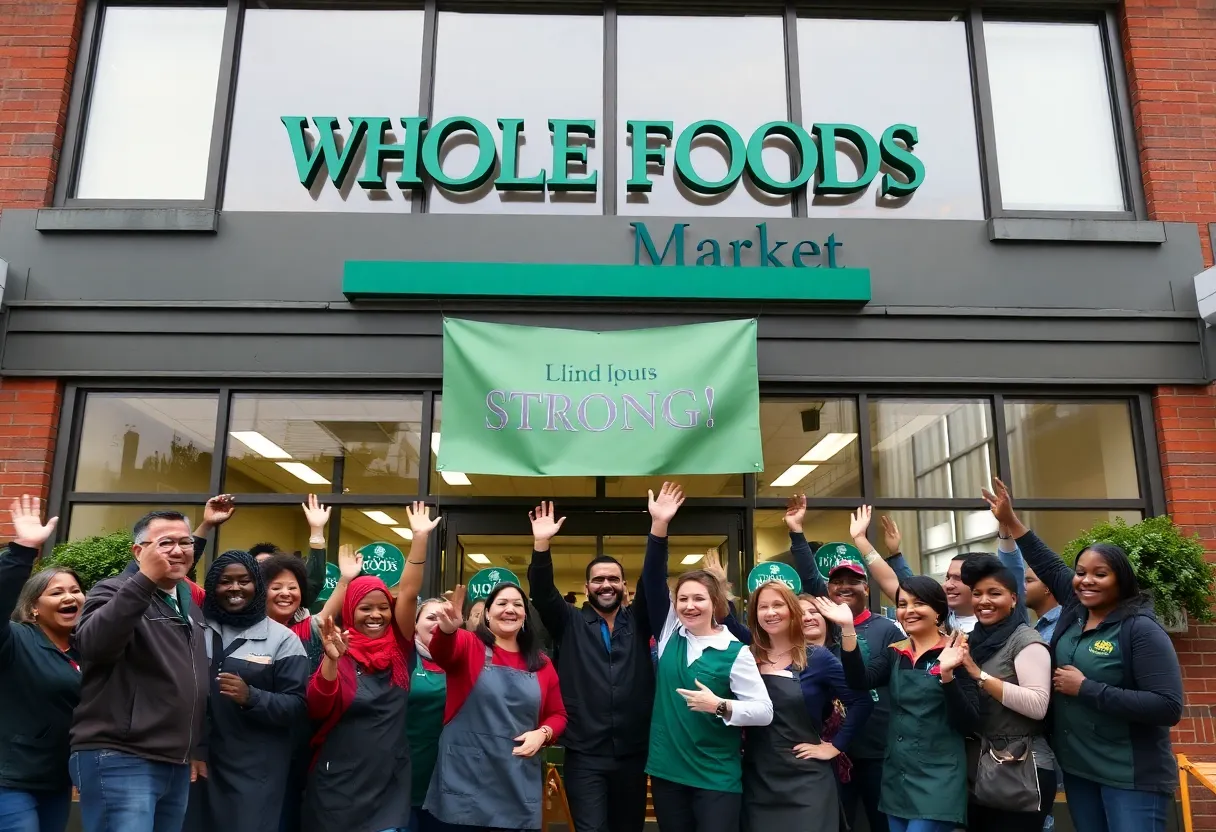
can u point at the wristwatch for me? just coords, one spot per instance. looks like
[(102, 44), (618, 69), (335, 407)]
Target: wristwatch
[(721, 709), (984, 677)]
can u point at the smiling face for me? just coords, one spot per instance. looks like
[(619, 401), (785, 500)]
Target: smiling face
[(813, 626), (171, 538), (1037, 592), (848, 588), (235, 588), (1095, 582), (283, 597), (695, 607), (958, 594), (373, 614), (772, 612), (58, 607), (914, 615), (428, 620), (992, 601), (606, 587), (506, 615)]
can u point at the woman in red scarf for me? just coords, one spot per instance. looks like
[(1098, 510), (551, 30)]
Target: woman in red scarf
[(360, 777)]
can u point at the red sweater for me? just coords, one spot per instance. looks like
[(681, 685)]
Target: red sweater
[(462, 655)]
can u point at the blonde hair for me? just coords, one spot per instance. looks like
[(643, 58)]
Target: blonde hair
[(717, 592), (762, 644)]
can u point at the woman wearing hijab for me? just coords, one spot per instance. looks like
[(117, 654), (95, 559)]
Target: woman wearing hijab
[(428, 695), (924, 780), (1010, 662), (788, 779), (39, 678), (259, 672), (1118, 687), (360, 775), (503, 706)]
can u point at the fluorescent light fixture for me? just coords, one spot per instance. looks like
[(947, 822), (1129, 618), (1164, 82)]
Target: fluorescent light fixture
[(828, 447), (455, 478), (689, 560), (407, 534), (259, 444), (792, 475), (435, 443), (381, 518), (479, 559), (303, 472)]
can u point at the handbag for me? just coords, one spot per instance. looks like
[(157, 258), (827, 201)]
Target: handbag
[(1006, 777)]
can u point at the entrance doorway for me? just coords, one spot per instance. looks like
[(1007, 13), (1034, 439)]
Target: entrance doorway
[(481, 538)]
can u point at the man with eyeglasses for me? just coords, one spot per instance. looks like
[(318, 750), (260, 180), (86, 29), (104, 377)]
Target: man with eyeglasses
[(144, 679), (607, 680)]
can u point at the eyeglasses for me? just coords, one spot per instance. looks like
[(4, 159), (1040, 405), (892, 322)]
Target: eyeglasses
[(169, 544)]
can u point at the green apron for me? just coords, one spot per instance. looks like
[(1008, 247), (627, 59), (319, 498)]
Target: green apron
[(925, 773), (428, 695)]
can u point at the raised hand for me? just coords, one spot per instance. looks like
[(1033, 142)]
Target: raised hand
[(859, 522), (1001, 503), (451, 613), (333, 640), (545, 523), (233, 687), (713, 565), (30, 531), (153, 563), (890, 535), (795, 512), (664, 507), (816, 751), (702, 700), (350, 562), (952, 656), (421, 522), (316, 514), (836, 613), (218, 510)]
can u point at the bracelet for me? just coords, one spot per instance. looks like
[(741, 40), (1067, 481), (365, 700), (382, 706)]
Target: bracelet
[(873, 556), (1000, 536), (849, 635), (317, 541), (548, 732), (417, 562)]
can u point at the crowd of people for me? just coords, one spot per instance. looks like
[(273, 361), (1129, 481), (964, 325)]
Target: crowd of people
[(172, 706)]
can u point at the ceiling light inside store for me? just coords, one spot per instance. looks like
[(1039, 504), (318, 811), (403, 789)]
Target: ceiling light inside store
[(259, 444), (479, 559), (792, 475), (381, 518), (435, 443), (407, 534), (303, 472), (828, 447), (689, 560), (455, 478)]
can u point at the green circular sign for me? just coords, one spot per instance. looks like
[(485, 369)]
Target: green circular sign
[(773, 570), (831, 555), (332, 574), (385, 561), (483, 582)]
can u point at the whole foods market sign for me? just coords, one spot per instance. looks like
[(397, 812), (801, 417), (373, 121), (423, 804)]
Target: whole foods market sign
[(814, 154)]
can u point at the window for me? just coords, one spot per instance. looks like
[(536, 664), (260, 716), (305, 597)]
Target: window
[(1070, 450), (931, 448), (670, 70), (153, 101), (810, 447), (1051, 105), (772, 537), (931, 539), (934, 96), (695, 485), (90, 520), (284, 526), (300, 444), (544, 67), (1058, 528), (314, 63), (154, 444)]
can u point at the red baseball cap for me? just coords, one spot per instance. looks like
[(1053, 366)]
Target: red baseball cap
[(855, 568)]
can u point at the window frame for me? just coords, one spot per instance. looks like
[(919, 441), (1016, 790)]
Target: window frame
[(972, 13), (1151, 501)]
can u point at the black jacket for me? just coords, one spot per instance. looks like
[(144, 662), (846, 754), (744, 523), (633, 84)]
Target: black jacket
[(144, 671), (608, 695), (39, 688)]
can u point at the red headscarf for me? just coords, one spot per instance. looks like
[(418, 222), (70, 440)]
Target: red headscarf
[(376, 654)]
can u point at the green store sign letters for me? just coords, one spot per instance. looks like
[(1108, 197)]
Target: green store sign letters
[(420, 153)]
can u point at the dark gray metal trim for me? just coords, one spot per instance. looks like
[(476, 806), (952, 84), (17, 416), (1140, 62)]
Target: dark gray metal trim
[(424, 447), (1000, 432), (793, 91), (77, 116), (1124, 127), (1144, 428), (219, 448), (142, 219), (608, 137), (225, 100), (985, 126), (1073, 230), (426, 88), (65, 446)]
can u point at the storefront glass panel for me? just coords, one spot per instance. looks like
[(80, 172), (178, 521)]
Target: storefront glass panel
[(1069, 450), (810, 447), (771, 535), (704, 485), (928, 448), (284, 526), (932, 538), (93, 519), (1058, 528)]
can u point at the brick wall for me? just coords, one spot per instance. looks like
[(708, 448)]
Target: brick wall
[(1170, 47)]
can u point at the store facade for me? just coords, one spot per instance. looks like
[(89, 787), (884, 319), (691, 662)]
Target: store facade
[(937, 217)]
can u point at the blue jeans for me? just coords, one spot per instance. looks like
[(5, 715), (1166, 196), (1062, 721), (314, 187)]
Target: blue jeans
[(919, 825), (32, 811), (1098, 808), (124, 793)]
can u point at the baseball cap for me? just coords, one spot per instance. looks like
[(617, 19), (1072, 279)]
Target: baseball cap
[(855, 568)]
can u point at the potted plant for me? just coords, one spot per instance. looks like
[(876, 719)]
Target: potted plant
[(1169, 566), (94, 558)]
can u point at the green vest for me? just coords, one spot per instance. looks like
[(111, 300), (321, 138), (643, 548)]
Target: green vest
[(1088, 743), (428, 692), (686, 747)]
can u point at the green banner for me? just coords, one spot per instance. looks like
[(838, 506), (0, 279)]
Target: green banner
[(527, 401)]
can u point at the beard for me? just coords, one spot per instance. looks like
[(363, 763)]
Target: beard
[(605, 606)]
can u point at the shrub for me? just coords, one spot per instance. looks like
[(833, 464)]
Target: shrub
[(94, 558), (1168, 565)]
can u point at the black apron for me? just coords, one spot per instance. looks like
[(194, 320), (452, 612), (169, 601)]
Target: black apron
[(361, 780), (781, 791)]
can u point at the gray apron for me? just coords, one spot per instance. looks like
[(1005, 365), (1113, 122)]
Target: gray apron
[(477, 780), (781, 791)]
